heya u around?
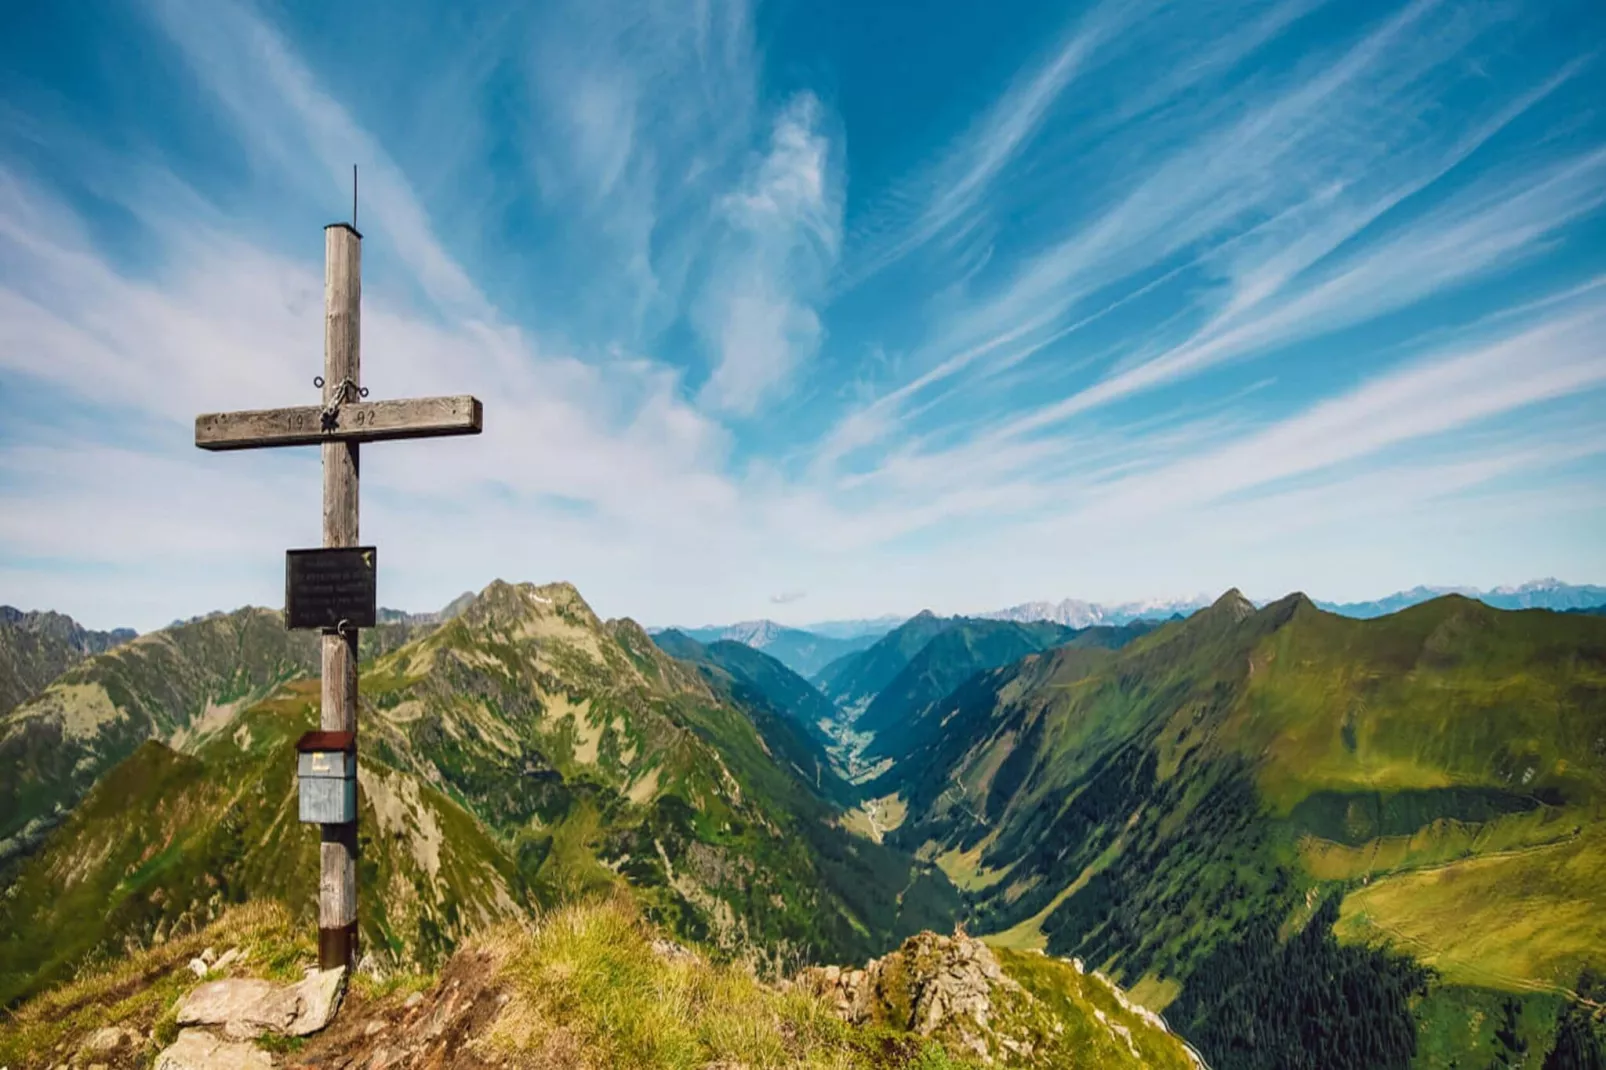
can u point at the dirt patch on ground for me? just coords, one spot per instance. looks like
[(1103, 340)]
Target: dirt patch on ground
[(441, 1029)]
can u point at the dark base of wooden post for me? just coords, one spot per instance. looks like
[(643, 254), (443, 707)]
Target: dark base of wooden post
[(337, 947)]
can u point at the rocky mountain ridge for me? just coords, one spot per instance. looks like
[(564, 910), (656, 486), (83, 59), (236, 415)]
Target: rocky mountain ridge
[(37, 647)]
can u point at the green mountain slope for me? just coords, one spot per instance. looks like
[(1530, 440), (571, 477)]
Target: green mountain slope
[(763, 675), (179, 685), (601, 759), (35, 648), (573, 756), (165, 842), (894, 716), (183, 681), (853, 680), (786, 709), (1442, 772)]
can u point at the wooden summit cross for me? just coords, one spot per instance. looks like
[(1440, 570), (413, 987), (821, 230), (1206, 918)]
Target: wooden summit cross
[(339, 425)]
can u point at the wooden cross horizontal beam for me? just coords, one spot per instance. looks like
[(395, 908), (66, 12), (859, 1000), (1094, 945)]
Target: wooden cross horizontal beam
[(358, 421)]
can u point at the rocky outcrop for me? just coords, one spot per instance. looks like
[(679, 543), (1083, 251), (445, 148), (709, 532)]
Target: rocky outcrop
[(245, 1008), (948, 987)]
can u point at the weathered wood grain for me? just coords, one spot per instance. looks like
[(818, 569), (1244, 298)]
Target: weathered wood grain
[(342, 373), (361, 421)]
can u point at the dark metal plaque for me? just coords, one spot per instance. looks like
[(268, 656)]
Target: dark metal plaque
[(331, 588)]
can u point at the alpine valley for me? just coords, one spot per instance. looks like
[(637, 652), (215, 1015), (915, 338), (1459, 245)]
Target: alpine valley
[(1309, 840)]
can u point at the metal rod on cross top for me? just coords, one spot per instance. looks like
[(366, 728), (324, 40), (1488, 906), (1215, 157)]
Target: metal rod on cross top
[(333, 589)]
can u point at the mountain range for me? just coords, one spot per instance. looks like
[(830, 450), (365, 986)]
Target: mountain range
[(1311, 839), (573, 754), (803, 652), (35, 648), (806, 650), (1536, 594)]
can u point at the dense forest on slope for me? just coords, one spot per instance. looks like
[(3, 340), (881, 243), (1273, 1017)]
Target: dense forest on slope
[(1305, 1003)]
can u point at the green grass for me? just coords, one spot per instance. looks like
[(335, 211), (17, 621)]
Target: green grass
[(1456, 1026), (1516, 921), (140, 991), (587, 980), (1076, 1000)]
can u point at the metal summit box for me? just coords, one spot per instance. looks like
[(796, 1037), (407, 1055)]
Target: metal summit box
[(326, 765)]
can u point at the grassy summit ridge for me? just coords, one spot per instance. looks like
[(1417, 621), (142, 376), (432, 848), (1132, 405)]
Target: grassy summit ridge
[(592, 986)]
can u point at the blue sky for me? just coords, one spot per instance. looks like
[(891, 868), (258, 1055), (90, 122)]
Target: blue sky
[(813, 310)]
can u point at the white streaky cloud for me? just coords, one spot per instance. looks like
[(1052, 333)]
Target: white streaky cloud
[(783, 235), (948, 198), (644, 112), (1422, 400), (1270, 189), (283, 115), (1445, 249), (639, 255), (1106, 481), (955, 187), (236, 328)]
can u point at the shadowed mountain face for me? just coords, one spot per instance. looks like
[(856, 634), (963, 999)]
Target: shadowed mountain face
[(572, 754), (895, 716), (853, 680), (764, 678), (35, 648), (1161, 808)]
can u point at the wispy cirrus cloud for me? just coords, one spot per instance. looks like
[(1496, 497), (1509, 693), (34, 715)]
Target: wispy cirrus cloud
[(782, 231)]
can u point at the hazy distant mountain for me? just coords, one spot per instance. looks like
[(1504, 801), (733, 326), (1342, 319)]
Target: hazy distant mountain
[(804, 652), (439, 616), (1075, 613), (1535, 594), (855, 629)]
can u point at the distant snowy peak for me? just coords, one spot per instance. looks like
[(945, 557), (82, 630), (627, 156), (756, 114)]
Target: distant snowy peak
[(1535, 594), (1075, 613)]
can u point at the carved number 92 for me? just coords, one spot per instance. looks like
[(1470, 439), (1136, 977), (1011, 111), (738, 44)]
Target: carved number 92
[(300, 421)]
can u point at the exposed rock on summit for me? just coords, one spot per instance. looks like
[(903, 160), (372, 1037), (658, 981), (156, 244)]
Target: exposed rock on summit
[(951, 988)]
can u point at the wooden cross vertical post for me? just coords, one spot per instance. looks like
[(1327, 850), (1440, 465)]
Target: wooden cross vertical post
[(342, 378), (339, 426)]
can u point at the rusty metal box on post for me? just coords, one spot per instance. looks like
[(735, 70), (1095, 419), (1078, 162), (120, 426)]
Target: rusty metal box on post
[(326, 765)]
